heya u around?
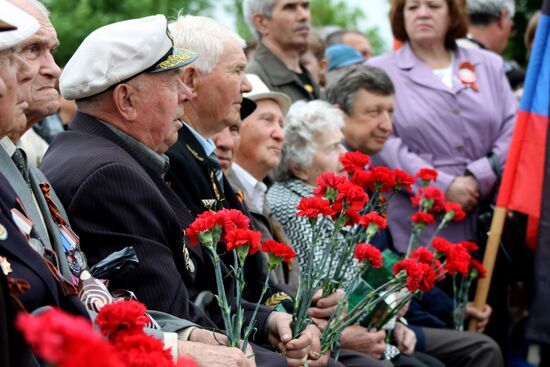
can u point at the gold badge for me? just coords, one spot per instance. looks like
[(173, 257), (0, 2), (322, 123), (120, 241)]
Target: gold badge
[(5, 265), (3, 233), (194, 153)]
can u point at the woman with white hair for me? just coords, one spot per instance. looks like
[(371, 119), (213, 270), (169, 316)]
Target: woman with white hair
[(313, 145)]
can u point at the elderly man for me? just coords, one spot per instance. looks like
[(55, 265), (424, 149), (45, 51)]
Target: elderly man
[(108, 169), (44, 97), (282, 27), (490, 27), (366, 96), (216, 81)]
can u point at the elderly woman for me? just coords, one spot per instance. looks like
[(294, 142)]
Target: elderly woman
[(454, 112)]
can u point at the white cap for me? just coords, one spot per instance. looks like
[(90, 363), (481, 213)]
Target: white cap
[(15, 25), (261, 91), (118, 52)]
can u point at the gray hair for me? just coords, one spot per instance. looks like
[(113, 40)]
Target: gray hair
[(205, 36), (483, 12), (343, 85), (251, 7), (304, 122)]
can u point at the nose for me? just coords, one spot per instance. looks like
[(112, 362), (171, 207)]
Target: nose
[(304, 13), (49, 68), (185, 92), (223, 140), (278, 134), (386, 122), (341, 150), (245, 84)]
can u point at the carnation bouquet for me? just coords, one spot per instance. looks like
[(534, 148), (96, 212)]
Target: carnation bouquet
[(354, 207), (231, 229)]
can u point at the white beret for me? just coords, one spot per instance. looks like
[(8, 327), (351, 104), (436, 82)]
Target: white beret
[(118, 52), (15, 25)]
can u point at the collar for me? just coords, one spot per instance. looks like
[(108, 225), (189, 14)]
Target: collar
[(159, 163), (253, 189), (8, 145), (471, 38), (207, 145)]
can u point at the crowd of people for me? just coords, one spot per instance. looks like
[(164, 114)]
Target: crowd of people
[(154, 121)]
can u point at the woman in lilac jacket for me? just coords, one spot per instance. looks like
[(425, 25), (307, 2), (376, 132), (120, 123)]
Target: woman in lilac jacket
[(454, 112)]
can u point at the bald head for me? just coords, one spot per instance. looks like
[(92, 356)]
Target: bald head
[(38, 49)]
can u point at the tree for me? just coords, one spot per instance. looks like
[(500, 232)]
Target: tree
[(75, 19), (516, 49)]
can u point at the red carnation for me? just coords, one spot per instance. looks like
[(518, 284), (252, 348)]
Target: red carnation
[(413, 271), (58, 337), (367, 252), (352, 217), (428, 277), (354, 161), (186, 362), (403, 180), (478, 267), (454, 210), (470, 246), (427, 174), (423, 255), (121, 318), (375, 219), (458, 260), (231, 219), (362, 179), (422, 218), (433, 199), (203, 223), (313, 207), (383, 179), (441, 245), (241, 237), (279, 250), (352, 195), (326, 181), (143, 350)]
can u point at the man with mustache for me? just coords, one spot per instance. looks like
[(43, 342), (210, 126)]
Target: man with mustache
[(282, 27)]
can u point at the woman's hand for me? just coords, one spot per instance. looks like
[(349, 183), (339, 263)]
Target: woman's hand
[(465, 191)]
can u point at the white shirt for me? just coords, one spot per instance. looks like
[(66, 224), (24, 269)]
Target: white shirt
[(446, 74), (254, 190)]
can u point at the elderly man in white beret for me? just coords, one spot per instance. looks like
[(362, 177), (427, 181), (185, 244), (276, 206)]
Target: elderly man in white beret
[(108, 170)]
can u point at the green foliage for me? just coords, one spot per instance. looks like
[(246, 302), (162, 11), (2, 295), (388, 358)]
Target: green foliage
[(75, 19), (516, 49), (241, 27), (379, 47), (335, 12)]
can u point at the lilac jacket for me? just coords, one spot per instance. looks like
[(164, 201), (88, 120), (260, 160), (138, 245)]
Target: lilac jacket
[(449, 129)]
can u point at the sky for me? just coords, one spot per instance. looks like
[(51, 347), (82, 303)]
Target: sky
[(376, 12)]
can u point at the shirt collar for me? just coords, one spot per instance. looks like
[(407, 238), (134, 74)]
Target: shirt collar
[(255, 190), (207, 145), (159, 163), (8, 145)]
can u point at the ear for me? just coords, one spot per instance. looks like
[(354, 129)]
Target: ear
[(190, 77), (125, 101), (261, 23), (503, 18)]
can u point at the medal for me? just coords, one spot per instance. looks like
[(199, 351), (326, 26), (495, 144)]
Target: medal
[(5, 265), (3, 233)]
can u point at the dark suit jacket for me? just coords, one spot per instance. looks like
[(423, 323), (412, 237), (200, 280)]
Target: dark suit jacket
[(191, 178), (114, 202)]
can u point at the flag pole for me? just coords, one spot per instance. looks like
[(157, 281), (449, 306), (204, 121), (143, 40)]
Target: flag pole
[(489, 258)]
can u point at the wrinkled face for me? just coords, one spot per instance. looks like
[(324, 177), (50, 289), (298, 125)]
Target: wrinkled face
[(8, 92), (426, 21), (358, 42), (370, 124), (289, 23), (39, 49), (261, 139), (327, 155), (219, 94), (227, 142), (159, 107)]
